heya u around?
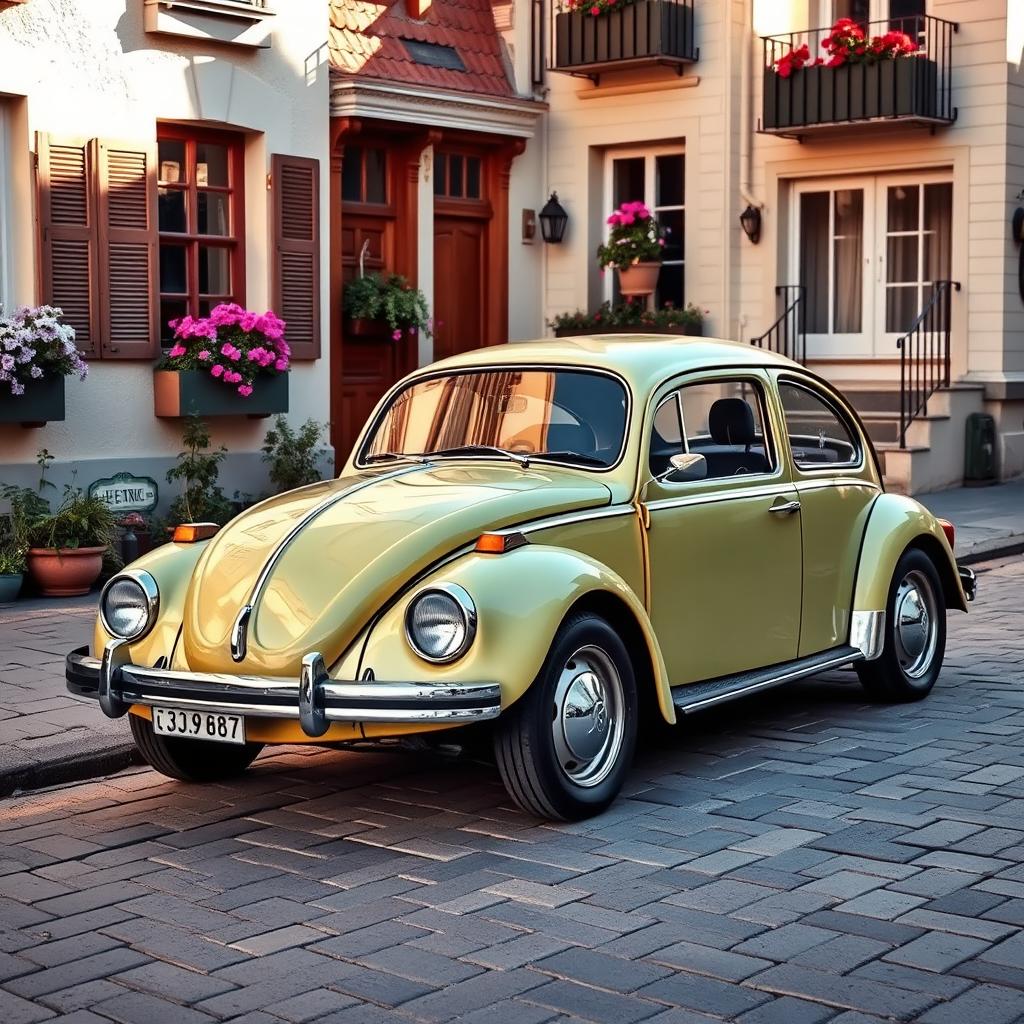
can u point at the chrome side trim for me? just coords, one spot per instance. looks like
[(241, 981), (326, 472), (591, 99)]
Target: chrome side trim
[(240, 630), (570, 518), (867, 633), (724, 494), (836, 481)]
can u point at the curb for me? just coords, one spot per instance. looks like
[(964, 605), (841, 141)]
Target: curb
[(75, 768), (999, 549)]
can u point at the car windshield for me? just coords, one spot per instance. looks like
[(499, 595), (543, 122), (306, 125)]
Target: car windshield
[(570, 416)]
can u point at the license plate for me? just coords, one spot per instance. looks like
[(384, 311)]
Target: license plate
[(199, 725)]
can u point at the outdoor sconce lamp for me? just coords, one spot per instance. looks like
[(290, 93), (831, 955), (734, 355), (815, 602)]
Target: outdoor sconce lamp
[(553, 220), (750, 221)]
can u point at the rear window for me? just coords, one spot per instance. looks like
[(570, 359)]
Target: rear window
[(819, 435)]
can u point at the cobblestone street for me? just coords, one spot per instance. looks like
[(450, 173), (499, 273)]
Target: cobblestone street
[(800, 857)]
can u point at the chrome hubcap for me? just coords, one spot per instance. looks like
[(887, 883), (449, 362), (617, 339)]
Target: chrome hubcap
[(916, 624), (587, 717)]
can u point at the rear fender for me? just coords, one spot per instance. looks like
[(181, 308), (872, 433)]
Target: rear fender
[(521, 599)]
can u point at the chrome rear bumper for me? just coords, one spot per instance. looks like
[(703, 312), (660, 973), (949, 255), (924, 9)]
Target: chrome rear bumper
[(969, 581), (314, 699)]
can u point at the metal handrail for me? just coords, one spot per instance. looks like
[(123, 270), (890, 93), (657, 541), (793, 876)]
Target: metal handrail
[(787, 335), (925, 356)]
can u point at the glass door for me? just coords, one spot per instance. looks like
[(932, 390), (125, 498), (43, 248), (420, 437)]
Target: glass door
[(915, 226), (658, 178), (833, 240)]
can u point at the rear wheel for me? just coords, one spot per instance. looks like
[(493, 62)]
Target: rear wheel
[(915, 634), (564, 748), (191, 760)]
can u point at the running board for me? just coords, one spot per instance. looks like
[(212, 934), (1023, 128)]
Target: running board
[(698, 696)]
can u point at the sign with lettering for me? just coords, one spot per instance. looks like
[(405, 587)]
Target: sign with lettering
[(124, 492)]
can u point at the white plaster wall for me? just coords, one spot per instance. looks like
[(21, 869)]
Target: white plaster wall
[(90, 70)]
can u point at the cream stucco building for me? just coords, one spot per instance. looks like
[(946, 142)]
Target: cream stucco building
[(202, 94)]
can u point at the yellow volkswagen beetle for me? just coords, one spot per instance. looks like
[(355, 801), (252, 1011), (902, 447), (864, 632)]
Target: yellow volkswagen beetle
[(551, 537)]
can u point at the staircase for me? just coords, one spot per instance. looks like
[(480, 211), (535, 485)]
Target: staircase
[(917, 423), (933, 455)]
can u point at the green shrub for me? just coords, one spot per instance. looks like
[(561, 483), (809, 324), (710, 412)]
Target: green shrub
[(293, 455), (201, 500)]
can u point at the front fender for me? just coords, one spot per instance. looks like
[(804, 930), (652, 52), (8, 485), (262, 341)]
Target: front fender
[(521, 599), (897, 522), (172, 566)]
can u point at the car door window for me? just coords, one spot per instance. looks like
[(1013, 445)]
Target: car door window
[(819, 437), (723, 420)]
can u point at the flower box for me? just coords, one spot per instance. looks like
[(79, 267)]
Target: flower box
[(369, 330), (906, 87), (690, 330), (42, 402), (644, 32), (178, 393)]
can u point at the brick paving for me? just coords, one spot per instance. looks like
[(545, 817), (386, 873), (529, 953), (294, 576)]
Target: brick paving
[(800, 857)]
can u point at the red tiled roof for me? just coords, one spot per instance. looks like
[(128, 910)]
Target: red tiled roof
[(365, 40)]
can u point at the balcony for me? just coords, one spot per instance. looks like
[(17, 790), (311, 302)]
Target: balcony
[(646, 33), (911, 89), (243, 23)]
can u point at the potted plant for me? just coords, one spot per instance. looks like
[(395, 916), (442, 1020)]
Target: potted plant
[(66, 546), (37, 351), (634, 249), (12, 570), (24, 507), (385, 306), (229, 363)]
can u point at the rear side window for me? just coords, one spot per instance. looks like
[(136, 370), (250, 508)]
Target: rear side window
[(819, 436)]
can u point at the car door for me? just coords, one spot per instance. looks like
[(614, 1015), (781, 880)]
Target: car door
[(836, 487), (724, 552)]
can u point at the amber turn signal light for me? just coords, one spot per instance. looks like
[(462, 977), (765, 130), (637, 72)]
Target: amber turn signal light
[(948, 529), (499, 543), (192, 533)]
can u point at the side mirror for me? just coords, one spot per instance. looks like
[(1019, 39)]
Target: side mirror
[(686, 466)]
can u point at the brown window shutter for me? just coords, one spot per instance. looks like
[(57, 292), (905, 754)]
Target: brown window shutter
[(68, 234), (295, 288), (128, 247)]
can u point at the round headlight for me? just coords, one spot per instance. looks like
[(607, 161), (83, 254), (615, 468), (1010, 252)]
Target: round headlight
[(441, 623), (129, 605)]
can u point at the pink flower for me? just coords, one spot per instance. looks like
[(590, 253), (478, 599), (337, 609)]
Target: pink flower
[(245, 390), (248, 322), (178, 350), (226, 349), (396, 335), (216, 370), (281, 365), (204, 355)]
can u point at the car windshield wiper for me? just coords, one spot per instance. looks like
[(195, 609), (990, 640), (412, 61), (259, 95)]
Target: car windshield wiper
[(470, 449), (394, 457), (566, 456)]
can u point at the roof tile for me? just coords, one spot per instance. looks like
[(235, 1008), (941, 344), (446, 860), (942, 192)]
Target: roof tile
[(365, 39)]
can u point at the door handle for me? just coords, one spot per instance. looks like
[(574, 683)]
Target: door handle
[(786, 508)]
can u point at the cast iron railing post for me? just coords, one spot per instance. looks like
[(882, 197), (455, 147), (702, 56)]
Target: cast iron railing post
[(925, 356), (787, 335)]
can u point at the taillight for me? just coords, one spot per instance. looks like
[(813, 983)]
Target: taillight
[(948, 529)]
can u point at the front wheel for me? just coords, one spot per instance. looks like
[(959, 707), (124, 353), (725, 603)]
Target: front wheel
[(915, 634), (564, 748), (191, 760)]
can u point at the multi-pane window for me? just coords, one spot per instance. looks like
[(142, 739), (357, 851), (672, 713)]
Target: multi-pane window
[(659, 179), (457, 176), (364, 175), (201, 222)]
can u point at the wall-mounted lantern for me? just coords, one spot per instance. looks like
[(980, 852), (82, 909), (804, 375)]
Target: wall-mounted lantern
[(750, 221), (1017, 231), (553, 220)]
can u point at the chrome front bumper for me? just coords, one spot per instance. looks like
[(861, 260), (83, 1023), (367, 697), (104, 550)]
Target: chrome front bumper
[(969, 581), (314, 699)]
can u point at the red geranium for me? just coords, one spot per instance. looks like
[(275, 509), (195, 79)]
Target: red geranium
[(846, 43)]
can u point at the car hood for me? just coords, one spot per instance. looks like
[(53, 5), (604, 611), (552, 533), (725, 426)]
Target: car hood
[(327, 556)]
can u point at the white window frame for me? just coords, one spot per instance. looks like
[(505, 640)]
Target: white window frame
[(878, 11), (649, 153)]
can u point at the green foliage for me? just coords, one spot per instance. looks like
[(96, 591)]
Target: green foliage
[(293, 455), (80, 521), (388, 297), (12, 562), (628, 314), (26, 509), (201, 500)]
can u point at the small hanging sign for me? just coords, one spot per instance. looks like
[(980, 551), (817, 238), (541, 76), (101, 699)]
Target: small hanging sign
[(124, 492)]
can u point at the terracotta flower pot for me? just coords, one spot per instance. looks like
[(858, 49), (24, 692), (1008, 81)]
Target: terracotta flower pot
[(65, 572), (639, 279)]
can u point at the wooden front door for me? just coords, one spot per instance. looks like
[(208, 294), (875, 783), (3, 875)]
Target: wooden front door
[(459, 285)]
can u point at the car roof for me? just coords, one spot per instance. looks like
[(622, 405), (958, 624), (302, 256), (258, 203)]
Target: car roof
[(645, 360)]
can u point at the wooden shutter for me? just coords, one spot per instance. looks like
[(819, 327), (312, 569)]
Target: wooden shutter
[(126, 176), (295, 288), (68, 234)]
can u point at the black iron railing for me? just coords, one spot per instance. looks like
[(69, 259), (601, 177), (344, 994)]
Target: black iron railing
[(912, 87), (925, 356), (787, 335), (643, 32)]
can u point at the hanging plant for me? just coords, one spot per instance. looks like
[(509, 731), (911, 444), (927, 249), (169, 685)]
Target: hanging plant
[(390, 299)]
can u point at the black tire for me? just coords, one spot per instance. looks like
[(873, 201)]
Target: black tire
[(537, 768), (191, 760), (898, 675)]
